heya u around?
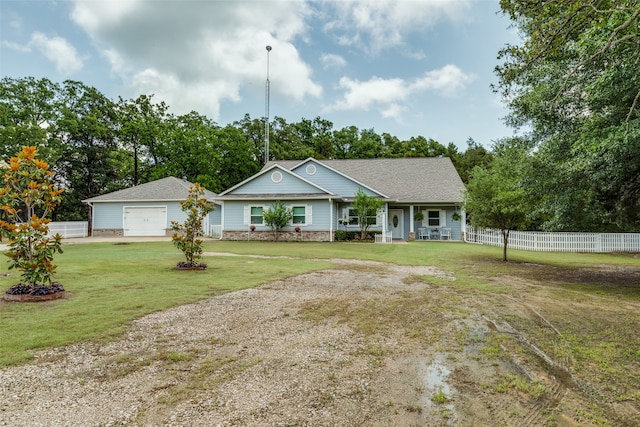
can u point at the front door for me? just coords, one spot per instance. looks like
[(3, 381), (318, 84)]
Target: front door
[(396, 223)]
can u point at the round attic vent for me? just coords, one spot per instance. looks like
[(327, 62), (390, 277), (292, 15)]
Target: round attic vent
[(276, 176), (311, 169)]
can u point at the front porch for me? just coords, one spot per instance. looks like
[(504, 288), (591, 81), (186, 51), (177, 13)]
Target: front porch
[(422, 222)]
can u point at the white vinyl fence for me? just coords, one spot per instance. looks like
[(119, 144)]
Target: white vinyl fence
[(384, 237), (215, 231), (557, 242), (69, 229)]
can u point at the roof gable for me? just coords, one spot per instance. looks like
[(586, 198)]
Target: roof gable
[(414, 179), (332, 179), (275, 180), (165, 189)]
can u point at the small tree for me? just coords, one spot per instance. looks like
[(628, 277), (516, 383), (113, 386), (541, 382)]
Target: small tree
[(186, 236), (496, 195), (366, 208), (27, 198), (277, 217)]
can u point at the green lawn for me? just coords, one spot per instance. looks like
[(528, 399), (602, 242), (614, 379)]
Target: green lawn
[(108, 284)]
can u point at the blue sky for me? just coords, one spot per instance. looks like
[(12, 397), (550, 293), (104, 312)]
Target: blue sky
[(406, 67)]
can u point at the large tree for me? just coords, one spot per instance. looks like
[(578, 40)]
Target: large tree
[(142, 125), (87, 129), (29, 111), (188, 150), (575, 82)]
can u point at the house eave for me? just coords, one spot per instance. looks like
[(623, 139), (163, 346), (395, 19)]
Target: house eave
[(279, 197)]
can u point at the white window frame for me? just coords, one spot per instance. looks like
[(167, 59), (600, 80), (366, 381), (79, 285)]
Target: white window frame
[(442, 215), (303, 215), (248, 214), (307, 215), (352, 220)]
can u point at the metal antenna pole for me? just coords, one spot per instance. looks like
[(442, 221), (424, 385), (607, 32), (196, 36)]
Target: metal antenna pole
[(266, 112)]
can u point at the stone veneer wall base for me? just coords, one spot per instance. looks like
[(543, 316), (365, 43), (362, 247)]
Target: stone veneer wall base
[(283, 236)]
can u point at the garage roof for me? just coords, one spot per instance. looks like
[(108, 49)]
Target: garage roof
[(165, 189)]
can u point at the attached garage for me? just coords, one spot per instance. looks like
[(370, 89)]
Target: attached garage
[(144, 210), (145, 220)]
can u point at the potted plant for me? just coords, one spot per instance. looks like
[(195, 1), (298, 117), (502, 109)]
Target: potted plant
[(418, 216), (343, 222)]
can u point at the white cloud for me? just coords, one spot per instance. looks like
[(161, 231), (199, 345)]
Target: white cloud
[(376, 91), (330, 60), (195, 56), (388, 96), (59, 51), (375, 25), (16, 46), (449, 81)]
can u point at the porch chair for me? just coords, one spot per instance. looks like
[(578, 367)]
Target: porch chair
[(423, 233), (445, 234)]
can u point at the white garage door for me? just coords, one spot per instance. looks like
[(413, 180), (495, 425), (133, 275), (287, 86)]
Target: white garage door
[(145, 221)]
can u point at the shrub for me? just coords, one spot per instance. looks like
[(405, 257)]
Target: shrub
[(354, 235), (277, 217), (27, 198), (186, 236)]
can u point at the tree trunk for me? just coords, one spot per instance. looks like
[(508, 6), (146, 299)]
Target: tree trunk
[(505, 239)]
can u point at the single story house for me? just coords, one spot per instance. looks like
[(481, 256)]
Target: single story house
[(320, 192), (144, 210)]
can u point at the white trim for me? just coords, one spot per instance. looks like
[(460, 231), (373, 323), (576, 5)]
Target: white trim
[(276, 177), (331, 220), (307, 213)]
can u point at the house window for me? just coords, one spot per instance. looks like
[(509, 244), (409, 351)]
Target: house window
[(299, 214), (433, 218), (256, 215), (372, 217)]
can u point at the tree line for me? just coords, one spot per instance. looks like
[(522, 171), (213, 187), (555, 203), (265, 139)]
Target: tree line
[(574, 83), (96, 145)]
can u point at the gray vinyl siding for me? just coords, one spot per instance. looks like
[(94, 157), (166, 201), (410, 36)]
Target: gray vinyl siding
[(265, 185), (234, 213), (215, 217), (111, 215), (107, 215), (330, 180)]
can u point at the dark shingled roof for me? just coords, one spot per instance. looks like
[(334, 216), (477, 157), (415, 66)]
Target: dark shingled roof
[(165, 189), (415, 179)]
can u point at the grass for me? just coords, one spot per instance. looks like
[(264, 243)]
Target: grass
[(109, 285), (521, 385)]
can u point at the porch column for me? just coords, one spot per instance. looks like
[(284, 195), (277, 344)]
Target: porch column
[(412, 233), (411, 230), (385, 218), (330, 220)]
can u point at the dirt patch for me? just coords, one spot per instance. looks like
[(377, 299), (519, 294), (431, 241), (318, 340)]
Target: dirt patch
[(365, 344)]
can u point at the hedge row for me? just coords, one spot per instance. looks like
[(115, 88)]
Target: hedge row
[(345, 236)]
